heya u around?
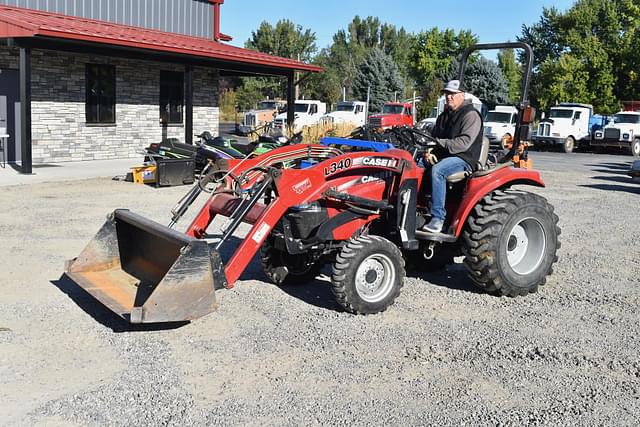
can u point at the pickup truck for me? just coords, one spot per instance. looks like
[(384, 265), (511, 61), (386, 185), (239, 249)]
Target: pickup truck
[(500, 124), (623, 131), (568, 126), (393, 114), (307, 113), (347, 112), (262, 114)]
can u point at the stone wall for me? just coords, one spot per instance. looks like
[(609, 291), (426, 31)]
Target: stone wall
[(59, 131)]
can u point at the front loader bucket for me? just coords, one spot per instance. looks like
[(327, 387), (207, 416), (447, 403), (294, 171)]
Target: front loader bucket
[(146, 272)]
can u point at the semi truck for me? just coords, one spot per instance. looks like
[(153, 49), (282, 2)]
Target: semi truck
[(393, 114), (353, 112), (500, 125), (307, 113), (622, 131), (568, 126)]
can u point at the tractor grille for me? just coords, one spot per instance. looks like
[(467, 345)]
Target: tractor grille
[(250, 119), (375, 122), (544, 129), (612, 133)]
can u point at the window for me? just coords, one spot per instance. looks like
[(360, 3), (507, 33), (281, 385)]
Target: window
[(577, 115), (100, 102), (171, 96)]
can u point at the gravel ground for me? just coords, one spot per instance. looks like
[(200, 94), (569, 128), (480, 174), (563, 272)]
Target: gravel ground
[(444, 354)]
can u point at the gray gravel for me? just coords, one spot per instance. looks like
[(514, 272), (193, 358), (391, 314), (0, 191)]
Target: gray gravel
[(444, 354)]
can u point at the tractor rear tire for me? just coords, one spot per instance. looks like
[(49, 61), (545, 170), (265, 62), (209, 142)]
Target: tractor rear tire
[(368, 275), (569, 144), (283, 268), (510, 242)]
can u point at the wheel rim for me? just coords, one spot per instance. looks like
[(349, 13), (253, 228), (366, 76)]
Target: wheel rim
[(375, 278), (526, 246), (636, 149)]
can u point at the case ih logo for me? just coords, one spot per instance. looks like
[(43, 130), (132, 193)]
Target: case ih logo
[(380, 161), (302, 186)]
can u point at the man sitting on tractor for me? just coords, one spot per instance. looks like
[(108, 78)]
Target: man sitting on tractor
[(458, 133)]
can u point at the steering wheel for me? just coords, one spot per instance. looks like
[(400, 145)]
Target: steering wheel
[(422, 138)]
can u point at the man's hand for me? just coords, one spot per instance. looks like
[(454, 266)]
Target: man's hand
[(429, 157)]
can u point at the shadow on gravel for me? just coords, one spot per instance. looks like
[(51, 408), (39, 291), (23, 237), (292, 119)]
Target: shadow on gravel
[(317, 293), (623, 179), (610, 167), (100, 313), (454, 277), (609, 187)]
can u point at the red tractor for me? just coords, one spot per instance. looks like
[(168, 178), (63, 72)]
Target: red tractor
[(359, 211)]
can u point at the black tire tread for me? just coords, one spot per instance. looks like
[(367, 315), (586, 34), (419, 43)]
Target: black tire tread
[(343, 264), (480, 239)]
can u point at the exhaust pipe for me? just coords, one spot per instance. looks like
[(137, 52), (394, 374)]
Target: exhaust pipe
[(146, 272)]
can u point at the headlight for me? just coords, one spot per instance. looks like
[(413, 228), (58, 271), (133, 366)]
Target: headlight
[(282, 139), (625, 136), (599, 134)]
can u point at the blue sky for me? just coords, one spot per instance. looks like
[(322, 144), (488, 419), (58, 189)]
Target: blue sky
[(492, 20)]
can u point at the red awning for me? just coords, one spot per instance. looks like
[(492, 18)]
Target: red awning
[(20, 22)]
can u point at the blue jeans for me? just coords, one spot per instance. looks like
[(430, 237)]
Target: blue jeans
[(439, 173)]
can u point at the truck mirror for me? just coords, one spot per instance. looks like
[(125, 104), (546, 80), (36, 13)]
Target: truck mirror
[(542, 116)]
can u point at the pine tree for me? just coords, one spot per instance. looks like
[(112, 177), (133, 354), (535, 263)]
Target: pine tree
[(380, 73)]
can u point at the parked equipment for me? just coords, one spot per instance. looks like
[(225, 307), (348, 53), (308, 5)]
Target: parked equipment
[(359, 211)]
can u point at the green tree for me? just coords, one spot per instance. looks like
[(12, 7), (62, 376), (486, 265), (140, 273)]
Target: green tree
[(380, 73), (286, 40), (430, 59), (350, 47), (597, 36), (512, 72)]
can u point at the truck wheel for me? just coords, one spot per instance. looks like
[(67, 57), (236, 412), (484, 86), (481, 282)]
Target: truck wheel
[(283, 268), (634, 149), (367, 275), (569, 144), (510, 242)]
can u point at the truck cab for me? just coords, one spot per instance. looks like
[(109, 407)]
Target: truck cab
[(500, 125), (264, 113), (568, 126), (347, 112), (622, 131), (393, 114), (307, 113)]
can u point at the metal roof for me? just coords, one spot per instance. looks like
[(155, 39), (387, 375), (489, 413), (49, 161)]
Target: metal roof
[(21, 22)]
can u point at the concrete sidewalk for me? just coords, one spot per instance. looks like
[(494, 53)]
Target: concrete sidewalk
[(67, 171)]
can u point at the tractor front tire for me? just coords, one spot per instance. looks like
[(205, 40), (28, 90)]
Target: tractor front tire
[(283, 268), (510, 242), (368, 275)]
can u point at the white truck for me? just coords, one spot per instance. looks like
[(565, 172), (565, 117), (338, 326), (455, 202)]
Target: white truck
[(568, 126), (500, 125), (264, 113), (307, 113), (347, 112), (622, 131)]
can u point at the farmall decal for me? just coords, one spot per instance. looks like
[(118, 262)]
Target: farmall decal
[(302, 186), (380, 161)]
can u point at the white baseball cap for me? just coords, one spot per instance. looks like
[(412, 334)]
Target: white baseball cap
[(453, 86)]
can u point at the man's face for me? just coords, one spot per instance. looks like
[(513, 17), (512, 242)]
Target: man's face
[(454, 100)]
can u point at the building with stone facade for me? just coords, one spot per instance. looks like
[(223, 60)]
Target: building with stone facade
[(87, 80)]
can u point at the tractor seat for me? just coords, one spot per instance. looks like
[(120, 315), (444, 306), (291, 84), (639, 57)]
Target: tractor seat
[(482, 162)]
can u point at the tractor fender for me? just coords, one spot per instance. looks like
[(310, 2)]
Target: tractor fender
[(479, 186)]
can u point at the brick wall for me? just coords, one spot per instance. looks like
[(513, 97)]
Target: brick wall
[(59, 132)]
